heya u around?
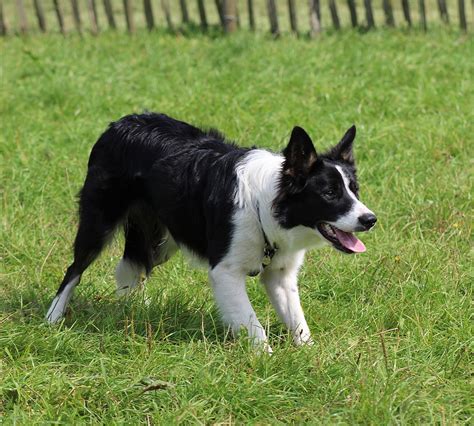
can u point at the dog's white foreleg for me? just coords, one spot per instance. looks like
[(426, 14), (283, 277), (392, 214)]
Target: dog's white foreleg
[(282, 289), (128, 275), (234, 304)]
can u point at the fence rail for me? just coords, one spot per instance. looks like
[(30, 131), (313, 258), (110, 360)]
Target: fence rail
[(94, 16)]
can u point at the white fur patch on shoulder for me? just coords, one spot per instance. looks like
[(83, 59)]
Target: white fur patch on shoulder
[(257, 177)]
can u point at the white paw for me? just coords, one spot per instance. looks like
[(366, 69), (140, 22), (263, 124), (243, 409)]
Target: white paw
[(267, 349), (302, 338), (55, 312), (262, 347), (128, 276)]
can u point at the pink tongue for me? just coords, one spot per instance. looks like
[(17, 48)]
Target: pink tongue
[(350, 241)]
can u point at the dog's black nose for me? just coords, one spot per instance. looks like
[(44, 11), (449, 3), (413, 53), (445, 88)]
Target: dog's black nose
[(368, 220)]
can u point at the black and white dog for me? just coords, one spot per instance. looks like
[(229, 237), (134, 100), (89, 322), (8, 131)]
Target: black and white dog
[(239, 211)]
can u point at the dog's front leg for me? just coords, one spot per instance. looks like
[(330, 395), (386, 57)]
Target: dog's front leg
[(282, 289), (234, 304)]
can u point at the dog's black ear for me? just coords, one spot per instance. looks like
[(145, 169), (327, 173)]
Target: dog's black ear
[(343, 150), (300, 156)]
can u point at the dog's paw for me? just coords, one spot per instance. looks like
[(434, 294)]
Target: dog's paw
[(264, 349), (302, 338), (267, 349), (54, 317), (128, 276)]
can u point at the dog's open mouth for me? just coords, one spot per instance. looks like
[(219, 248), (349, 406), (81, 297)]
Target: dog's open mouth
[(343, 241)]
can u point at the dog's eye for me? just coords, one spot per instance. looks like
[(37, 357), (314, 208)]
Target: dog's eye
[(329, 194)]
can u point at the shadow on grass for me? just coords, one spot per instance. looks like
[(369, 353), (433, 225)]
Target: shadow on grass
[(174, 318)]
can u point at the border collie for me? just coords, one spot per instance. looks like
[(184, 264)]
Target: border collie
[(239, 211)]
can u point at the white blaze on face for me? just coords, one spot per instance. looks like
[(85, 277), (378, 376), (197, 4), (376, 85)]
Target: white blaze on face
[(350, 221)]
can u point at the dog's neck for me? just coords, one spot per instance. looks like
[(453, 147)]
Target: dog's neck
[(257, 185), (288, 240)]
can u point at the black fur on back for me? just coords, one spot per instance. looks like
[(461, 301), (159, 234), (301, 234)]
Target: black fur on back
[(155, 170)]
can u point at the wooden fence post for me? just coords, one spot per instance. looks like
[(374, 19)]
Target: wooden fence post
[(334, 14), (148, 10), (388, 10), (127, 6), (406, 11), (462, 15), (293, 16), (184, 11), (20, 7), (40, 15), (318, 11), (230, 15), (92, 7), (314, 18), (220, 12), (202, 14), (166, 10), (353, 11), (3, 24), (109, 11), (443, 11), (77, 16), (237, 14), (422, 9), (472, 6), (273, 16), (59, 15), (252, 14), (369, 13)]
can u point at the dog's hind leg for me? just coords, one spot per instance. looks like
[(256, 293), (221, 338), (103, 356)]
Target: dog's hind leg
[(136, 260), (90, 240), (164, 248), (100, 212), (128, 276), (58, 305), (147, 244)]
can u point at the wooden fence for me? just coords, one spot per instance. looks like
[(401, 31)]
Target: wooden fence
[(94, 16)]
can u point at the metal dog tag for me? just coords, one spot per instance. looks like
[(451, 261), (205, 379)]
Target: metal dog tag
[(266, 260)]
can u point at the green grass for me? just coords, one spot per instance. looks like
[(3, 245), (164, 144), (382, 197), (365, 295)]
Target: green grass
[(392, 326)]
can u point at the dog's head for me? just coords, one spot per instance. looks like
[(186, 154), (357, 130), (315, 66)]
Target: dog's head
[(320, 192)]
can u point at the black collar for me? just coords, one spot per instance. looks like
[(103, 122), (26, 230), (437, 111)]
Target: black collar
[(269, 250)]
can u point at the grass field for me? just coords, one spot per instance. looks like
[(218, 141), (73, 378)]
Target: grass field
[(392, 326)]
